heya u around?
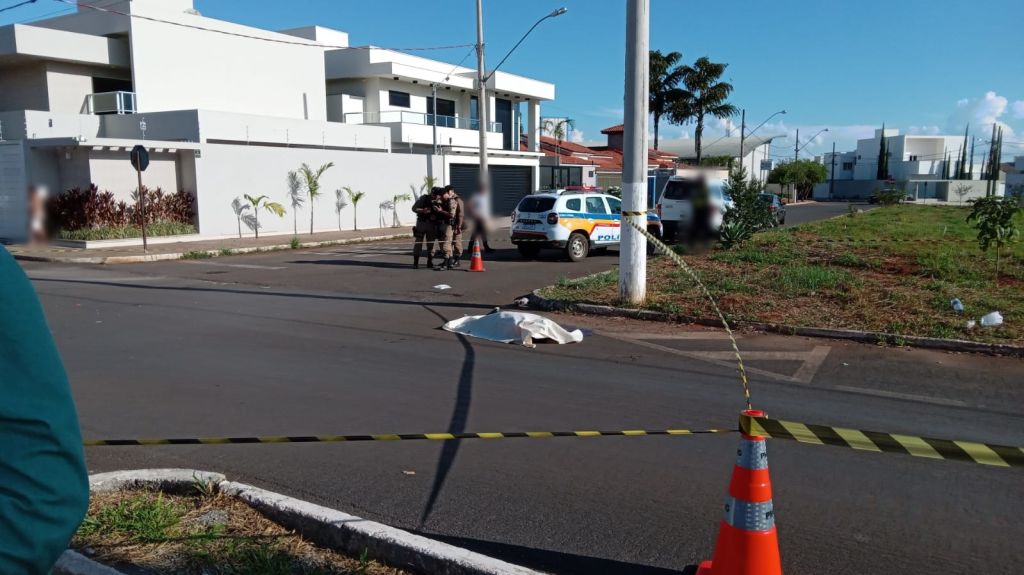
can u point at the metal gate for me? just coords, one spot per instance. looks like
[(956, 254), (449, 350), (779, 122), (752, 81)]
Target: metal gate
[(509, 184), (13, 191)]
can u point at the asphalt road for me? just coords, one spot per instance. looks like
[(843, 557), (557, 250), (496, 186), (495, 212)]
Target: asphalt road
[(346, 340)]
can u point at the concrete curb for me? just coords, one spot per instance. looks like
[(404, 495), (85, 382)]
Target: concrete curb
[(353, 534), (74, 563), (322, 525), (143, 258), (536, 301)]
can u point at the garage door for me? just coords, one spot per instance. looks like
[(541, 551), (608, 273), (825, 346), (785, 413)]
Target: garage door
[(13, 192), (509, 184)]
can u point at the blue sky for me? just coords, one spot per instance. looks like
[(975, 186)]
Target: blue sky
[(927, 66)]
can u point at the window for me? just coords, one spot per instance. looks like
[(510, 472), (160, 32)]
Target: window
[(444, 107), (398, 99), (596, 206), (615, 205), (474, 113), (680, 189), (573, 205), (536, 204), (913, 158), (847, 166)]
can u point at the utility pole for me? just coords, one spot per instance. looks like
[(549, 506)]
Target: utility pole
[(796, 146), (832, 182), (433, 112), (482, 107), (743, 132), (633, 244)]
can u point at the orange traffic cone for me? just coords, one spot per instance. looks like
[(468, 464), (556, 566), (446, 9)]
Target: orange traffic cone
[(747, 541), (476, 264)]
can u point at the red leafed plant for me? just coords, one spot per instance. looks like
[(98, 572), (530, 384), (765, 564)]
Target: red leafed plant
[(87, 208)]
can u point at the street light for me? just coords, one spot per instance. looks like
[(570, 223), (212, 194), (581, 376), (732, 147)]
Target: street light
[(483, 77), (743, 135), (797, 147)]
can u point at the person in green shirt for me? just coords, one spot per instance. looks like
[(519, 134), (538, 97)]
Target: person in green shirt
[(44, 485)]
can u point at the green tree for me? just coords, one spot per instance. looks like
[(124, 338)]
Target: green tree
[(748, 214), (962, 172), (995, 220), (311, 181), (559, 129), (704, 96), (354, 197), (882, 169), (295, 198), (664, 94), (428, 183), (339, 204), (398, 199), (802, 174), (262, 202)]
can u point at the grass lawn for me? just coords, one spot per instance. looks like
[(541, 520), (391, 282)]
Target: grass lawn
[(796, 276), (202, 534)]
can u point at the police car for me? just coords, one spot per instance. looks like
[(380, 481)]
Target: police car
[(574, 220)]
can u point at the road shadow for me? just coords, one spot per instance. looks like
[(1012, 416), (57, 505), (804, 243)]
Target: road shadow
[(356, 263), (456, 423), (266, 293), (555, 561)]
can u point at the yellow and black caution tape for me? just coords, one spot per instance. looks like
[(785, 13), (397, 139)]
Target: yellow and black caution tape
[(398, 437), (928, 447)]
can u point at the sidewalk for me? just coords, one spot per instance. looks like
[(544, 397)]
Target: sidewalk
[(203, 248)]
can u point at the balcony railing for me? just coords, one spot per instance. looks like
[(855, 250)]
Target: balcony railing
[(400, 117), (110, 103)]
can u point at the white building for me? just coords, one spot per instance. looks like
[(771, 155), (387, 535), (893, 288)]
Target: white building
[(1015, 178), (756, 150), (917, 164), (230, 109)]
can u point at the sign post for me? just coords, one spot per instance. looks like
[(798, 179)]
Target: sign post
[(140, 161)]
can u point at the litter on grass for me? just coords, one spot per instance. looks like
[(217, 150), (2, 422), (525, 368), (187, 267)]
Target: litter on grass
[(992, 319), (513, 327), (442, 286)]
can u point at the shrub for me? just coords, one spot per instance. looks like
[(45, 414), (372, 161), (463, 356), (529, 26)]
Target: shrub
[(84, 209), (295, 243), (890, 197), (748, 214), (122, 232)]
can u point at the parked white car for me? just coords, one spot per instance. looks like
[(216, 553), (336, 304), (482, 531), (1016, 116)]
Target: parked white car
[(675, 206), (576, 221)]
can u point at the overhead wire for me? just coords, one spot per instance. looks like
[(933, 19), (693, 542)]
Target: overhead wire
[(18, 5)]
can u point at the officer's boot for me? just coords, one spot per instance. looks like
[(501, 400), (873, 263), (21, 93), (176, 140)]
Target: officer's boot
[(416, 263), (455, 261), (444, 265)]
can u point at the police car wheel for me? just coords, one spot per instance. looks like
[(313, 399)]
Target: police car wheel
[(528, 251), (577, 247)]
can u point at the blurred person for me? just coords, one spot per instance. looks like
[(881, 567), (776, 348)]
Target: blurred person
[(480, 214), (44, 486)]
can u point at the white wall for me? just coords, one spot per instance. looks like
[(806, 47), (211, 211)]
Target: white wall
[(178, 68), (23, 88), (13, 191), (111, 171), (380, 175), (67, 86)]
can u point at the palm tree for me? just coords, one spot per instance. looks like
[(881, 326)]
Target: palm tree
[(241, 210), (354, 197), (339, 204), (295, 197), (663, 92), (428, 183), (262, 202), (704, 96), (559, 128), (311, 180), (399, 198), (385, 206)]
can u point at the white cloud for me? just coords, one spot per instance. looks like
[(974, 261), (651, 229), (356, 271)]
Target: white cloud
[(1018, 109), (576, 136), (981, 113), (924, 130)]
